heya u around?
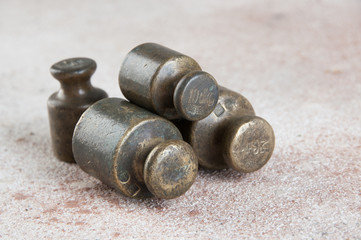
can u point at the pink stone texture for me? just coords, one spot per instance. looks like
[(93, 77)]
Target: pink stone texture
[(299, 64)]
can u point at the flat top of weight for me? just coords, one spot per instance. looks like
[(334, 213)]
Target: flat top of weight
[(196, 95), (73, 65), (170, 169), (251, 144)]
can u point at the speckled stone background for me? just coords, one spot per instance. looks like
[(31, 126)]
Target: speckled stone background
[(298, 62)]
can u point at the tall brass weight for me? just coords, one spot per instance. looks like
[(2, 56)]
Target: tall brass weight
[(65, 107)]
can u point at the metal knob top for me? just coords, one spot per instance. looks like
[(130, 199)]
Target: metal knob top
[(195, 95), (71, 68), (170, 169), (249, 144)]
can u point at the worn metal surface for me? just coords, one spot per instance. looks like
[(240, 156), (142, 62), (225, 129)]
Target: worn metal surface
[(232, 136), (65, 106), (167, 82), (133, 150)]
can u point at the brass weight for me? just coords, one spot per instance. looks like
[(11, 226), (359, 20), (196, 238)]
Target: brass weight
[(231, 136), (133, 150), (65, 107), (167, 82)]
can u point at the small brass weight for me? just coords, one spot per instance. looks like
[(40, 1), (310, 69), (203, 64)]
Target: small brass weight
[(65, 106), (133, 146)]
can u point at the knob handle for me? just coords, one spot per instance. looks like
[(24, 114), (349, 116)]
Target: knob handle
[(195, 95), (170, 169), (249, 143), (72, 69)]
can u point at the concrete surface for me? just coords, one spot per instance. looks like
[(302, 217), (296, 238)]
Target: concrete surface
[(298, 62)]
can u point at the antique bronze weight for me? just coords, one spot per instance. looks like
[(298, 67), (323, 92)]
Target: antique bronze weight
[(66, 106), (232, 136), (168, 83), (133, 150)]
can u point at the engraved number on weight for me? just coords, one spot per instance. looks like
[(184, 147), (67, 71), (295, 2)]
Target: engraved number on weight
[(256, 147), (201, 97)]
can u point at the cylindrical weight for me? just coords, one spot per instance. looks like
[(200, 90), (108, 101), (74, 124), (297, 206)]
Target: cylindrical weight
[(167, 82), (232, 136), (133, 150)]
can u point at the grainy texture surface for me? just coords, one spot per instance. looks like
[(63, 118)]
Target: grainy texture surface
[(299, 64)]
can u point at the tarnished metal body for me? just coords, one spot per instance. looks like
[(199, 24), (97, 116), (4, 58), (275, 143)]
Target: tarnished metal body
[(66, 106), (232, 136), (167, 82), (133, 150)]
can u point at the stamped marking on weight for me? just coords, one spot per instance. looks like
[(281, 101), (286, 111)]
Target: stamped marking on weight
[(132, 188), (256, 147), (204, 97), (219, 110), (124, 177)]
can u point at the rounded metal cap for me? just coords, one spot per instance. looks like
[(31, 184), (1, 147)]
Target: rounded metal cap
[(249, 143), (196, 95), (170, 169), (73, 67)]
